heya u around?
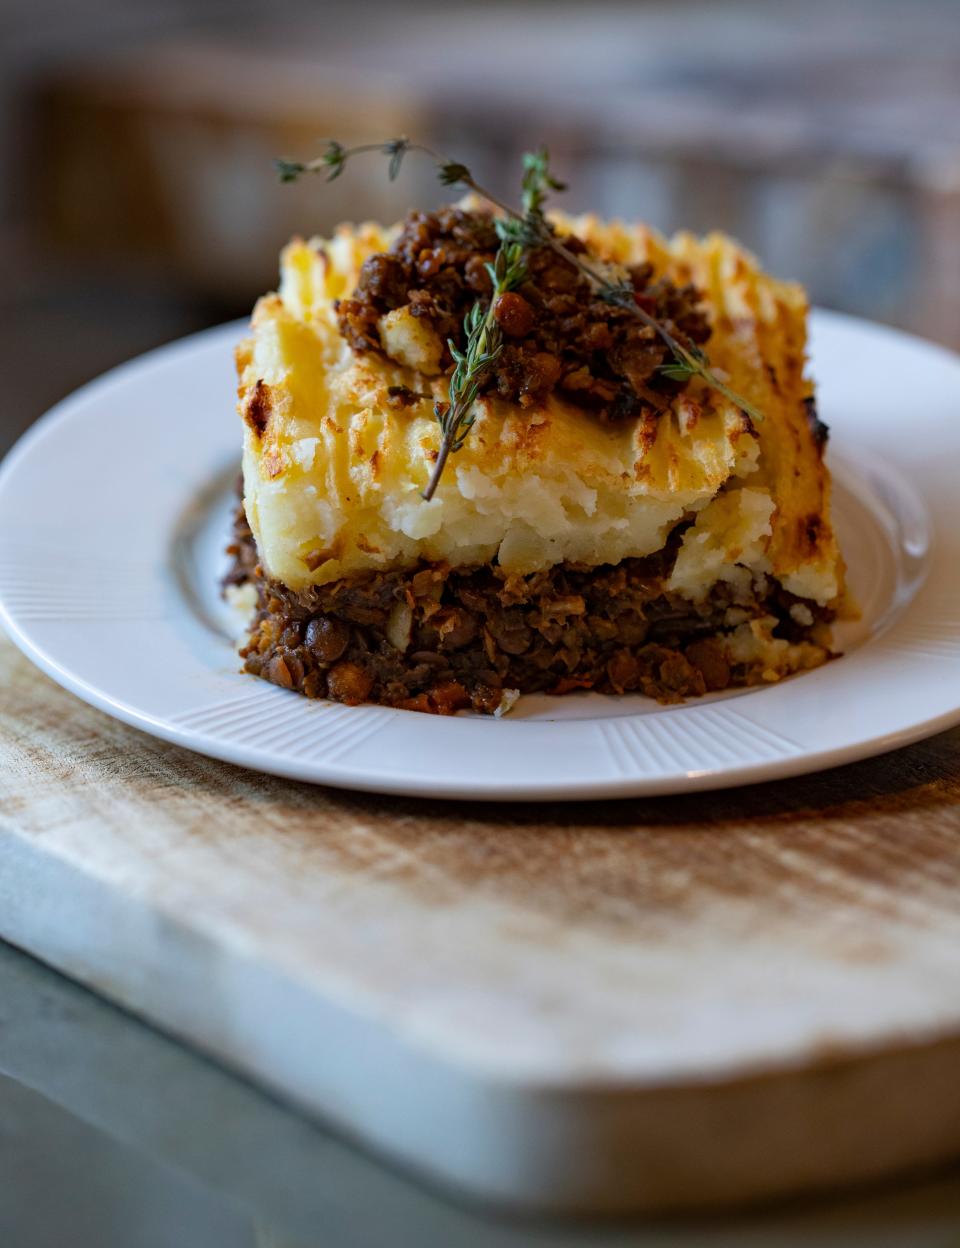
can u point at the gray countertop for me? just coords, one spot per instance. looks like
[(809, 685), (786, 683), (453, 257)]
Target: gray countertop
[(112, 1135)]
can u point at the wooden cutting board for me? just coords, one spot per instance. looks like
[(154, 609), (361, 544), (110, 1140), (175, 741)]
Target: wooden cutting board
[(622, 1006)]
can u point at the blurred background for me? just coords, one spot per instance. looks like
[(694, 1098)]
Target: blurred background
[(138, 202)]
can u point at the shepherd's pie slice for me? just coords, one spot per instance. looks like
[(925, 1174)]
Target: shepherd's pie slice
[(604, 525)]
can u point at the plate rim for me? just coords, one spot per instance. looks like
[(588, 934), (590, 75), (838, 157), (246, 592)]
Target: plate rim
[(344, 775)]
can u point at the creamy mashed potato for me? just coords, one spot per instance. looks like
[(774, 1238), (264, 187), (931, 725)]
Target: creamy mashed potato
[(334, 467)]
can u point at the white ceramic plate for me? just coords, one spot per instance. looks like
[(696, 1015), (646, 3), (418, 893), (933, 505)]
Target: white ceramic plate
[(114, 510)]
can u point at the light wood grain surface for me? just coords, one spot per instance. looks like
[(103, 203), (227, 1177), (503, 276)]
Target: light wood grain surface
[(800, 940)]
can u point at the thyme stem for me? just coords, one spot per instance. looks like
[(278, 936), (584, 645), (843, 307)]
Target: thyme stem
[(441, 462)]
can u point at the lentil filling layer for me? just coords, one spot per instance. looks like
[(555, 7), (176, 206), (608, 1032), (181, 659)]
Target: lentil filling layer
[(440, 639)]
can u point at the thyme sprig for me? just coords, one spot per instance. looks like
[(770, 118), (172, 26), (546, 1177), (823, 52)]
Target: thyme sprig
[(334, 159), (518, 232), (484, 344)]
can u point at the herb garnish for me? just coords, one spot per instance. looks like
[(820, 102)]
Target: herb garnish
[(518, 232), (484, 344)]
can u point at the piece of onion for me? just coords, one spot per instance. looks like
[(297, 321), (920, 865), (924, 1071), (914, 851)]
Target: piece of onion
[(400, 626)]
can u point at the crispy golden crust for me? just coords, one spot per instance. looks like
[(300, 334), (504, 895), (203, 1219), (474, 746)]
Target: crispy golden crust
[(759, 340)]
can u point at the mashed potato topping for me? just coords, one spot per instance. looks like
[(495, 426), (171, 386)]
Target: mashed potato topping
[(339, 445)]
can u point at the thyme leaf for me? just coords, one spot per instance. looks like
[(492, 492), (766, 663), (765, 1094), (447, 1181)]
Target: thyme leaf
[(289, 170), (676, 371), (450, 173), (396, 149)]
